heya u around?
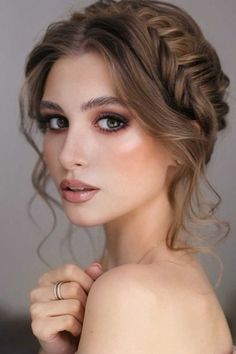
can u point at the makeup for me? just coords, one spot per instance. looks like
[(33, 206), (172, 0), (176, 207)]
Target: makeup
[(76, 191)]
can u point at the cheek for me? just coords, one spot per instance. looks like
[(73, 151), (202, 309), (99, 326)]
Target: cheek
[(51, 148), (48, 149), (135, 162)]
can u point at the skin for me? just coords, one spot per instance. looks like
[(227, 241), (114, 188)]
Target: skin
[(57, 324), (132, 170), (130, 167)]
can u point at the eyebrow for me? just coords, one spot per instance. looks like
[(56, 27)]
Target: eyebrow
[(92, 103)]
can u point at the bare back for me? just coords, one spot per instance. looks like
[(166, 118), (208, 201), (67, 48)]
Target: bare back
[(185, 275)]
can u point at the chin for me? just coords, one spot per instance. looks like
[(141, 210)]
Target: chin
[(82, 218)]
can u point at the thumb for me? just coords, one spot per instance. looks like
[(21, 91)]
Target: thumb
[(94, 270)]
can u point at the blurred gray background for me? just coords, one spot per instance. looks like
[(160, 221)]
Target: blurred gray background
[(21, 24)]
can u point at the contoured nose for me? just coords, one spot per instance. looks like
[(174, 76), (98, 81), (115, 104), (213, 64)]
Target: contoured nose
[(73, 150)]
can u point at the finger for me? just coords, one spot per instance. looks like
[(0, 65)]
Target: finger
[(94, 271), (46, 329), (69, 290), (68, 272), (58, 308)]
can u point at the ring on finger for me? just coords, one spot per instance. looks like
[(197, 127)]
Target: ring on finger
[(57, 290)]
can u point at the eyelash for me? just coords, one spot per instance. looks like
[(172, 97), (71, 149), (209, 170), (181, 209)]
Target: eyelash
[(44, 122)]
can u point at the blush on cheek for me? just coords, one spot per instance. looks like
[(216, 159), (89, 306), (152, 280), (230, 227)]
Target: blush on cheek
[(135, 151)]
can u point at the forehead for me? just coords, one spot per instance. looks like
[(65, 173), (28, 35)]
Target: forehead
[(83, 70), (80, 79)]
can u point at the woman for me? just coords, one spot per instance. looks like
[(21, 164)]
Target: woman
[(129, 96)]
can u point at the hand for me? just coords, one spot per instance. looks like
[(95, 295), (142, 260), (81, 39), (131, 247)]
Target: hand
[(57, 324)]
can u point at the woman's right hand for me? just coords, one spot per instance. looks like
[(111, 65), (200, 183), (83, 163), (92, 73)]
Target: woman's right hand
[(57, 324)]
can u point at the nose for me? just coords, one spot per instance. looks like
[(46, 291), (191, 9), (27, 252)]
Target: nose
[(72, 153)]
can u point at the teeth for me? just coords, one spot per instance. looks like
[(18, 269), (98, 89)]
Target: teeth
[(77, 189)]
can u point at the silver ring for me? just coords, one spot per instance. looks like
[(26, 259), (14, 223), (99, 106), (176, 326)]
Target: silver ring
[(57, 290)]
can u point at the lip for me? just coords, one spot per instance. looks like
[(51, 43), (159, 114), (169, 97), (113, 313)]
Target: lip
[(77, 196), (76, 183)]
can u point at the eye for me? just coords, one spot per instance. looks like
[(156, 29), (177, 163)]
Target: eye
[(57, 123), (110, 123), (113, 122), (52, 122)]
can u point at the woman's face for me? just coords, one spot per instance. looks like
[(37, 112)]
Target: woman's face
[(128, 166)]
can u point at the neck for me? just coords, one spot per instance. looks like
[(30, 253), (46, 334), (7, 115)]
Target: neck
[(133, 237)]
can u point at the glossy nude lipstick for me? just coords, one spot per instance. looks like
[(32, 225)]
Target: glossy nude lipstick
[(76, 191)]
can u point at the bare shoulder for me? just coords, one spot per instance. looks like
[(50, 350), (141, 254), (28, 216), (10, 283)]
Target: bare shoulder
[(126, 278), (119, 314), (137, 308), (124, 285)]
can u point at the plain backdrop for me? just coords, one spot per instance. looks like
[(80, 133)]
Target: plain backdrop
[(21, 24)]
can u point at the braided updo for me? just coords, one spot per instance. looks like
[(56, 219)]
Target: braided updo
[(164, 69)]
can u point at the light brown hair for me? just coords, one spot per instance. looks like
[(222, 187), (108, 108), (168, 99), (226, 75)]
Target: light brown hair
[(164, 69)]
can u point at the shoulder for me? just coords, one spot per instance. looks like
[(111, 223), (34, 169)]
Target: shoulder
[(124, 280), (157, 283), (118, 313), (136, 309), (120, 291)]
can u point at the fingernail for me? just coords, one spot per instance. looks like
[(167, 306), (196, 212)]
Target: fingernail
[(95, 264)]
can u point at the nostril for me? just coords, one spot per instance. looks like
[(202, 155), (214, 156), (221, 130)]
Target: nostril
[(70, 156)]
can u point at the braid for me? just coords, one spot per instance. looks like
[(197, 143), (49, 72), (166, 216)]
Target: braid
[(189, 68), (185, 63)]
